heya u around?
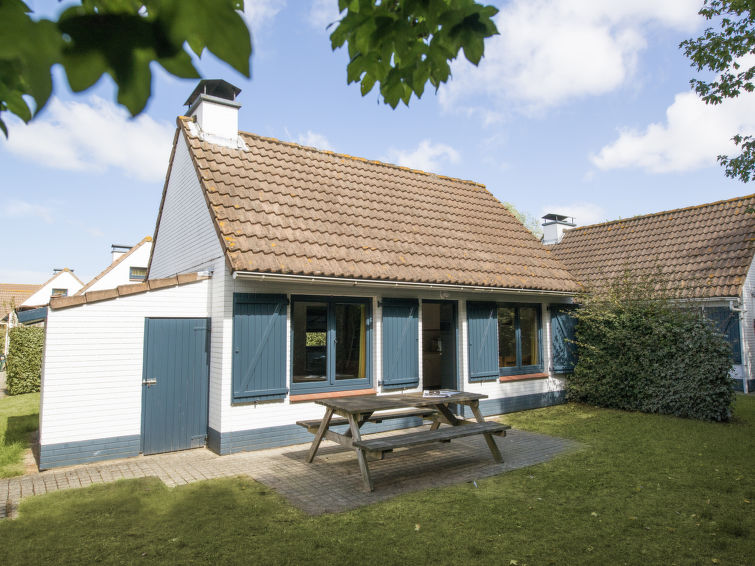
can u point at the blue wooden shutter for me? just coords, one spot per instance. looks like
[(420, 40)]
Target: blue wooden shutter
[(259, 347), (563, 348), (400, 343), (727, 323), (483, 341)]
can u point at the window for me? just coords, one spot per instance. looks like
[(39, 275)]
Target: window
[(59, 293), (137, 273), (330, 343), (519, 339)]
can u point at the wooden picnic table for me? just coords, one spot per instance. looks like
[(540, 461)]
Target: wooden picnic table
[(358, 410)]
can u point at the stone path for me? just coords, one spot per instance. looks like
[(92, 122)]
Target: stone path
[(331, 483)]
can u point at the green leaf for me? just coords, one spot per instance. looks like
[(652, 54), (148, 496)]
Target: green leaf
[(403, 44)]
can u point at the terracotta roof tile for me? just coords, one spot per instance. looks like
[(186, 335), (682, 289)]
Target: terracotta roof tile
[(283, 208), (706, 249), (13, 294), (57, 303)]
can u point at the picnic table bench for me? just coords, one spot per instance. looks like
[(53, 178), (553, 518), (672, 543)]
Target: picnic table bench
[(358, 410)]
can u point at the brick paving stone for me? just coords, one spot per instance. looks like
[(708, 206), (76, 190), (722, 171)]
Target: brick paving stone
[(331, 483)]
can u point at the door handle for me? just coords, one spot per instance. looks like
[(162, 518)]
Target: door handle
[(149, 382)]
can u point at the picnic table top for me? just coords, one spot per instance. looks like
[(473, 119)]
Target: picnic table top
[(370, 403)]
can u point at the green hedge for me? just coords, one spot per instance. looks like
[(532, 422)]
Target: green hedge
[(638, 351), (24, 365)]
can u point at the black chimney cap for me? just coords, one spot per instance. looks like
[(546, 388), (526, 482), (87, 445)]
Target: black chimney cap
[(214, 87)]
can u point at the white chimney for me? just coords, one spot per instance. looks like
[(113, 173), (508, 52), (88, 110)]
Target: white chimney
[(117, 250), (216, 113), (554, 227)]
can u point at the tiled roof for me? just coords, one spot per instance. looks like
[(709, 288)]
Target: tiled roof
[(113, 265), (283, 208), (13, 294), (703, 251)]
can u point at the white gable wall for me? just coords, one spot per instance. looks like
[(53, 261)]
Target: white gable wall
[(186, 239), (120, 274), (63, 280)]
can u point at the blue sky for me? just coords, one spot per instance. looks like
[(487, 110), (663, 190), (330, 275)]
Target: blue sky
[(580, 107)]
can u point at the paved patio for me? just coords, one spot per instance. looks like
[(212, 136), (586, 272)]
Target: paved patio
[(331, 483)]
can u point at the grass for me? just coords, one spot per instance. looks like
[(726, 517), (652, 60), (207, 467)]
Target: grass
[(19, 417), (644, 489)]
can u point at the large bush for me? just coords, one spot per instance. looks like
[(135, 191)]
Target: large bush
[(24, 364), (638, 350)]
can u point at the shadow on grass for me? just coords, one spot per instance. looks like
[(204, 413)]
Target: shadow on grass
[(143, 520), (20, 428)]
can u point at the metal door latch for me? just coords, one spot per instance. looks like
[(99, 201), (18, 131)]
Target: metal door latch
[(149, 382)]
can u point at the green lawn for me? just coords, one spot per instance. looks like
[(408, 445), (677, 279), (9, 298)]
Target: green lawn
[(644, 489), (19, 417)]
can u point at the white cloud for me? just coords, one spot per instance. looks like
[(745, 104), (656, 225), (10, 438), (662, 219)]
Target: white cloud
[(428, 156), (259, 13), (584, 213), (552, 51), (323, 13), (691, 137), (94, 136), (313, 139), (21, 209)]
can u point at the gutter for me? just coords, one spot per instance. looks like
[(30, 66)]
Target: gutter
[(274, 277)]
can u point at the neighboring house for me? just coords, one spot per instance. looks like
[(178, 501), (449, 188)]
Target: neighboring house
[(11, 296), (705, 253), (287, 274), (129, 266), (33, 310)]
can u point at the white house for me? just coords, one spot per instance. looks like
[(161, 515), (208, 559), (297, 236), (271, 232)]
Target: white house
[(282, 274), (34, 308), (129, 265), (705, 253), (62, 284)]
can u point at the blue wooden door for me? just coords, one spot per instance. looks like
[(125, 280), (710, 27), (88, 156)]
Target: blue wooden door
[(175, 384)]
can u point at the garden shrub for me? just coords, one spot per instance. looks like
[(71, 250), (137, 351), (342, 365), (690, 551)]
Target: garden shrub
[(639, 351), (24, 364)]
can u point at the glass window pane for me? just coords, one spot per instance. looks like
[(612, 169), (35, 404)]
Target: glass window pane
[(528, 325), (310, 355), (351, 335), (506, 337)]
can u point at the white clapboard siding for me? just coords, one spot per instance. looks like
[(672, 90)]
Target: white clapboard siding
[(186, 239), (92, 373)]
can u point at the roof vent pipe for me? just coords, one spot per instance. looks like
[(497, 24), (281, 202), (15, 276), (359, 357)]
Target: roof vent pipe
[(554, 226)]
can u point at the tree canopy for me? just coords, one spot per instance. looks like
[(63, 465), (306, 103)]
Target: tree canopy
[(399, 45), (727, 51)]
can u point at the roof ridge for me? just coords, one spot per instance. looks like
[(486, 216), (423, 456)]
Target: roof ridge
[(353, 157), (671, 211), (112, 266)]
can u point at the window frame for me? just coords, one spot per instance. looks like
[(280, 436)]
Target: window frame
[(131, 276), (519, 369), (59, 292), (331, 383)]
